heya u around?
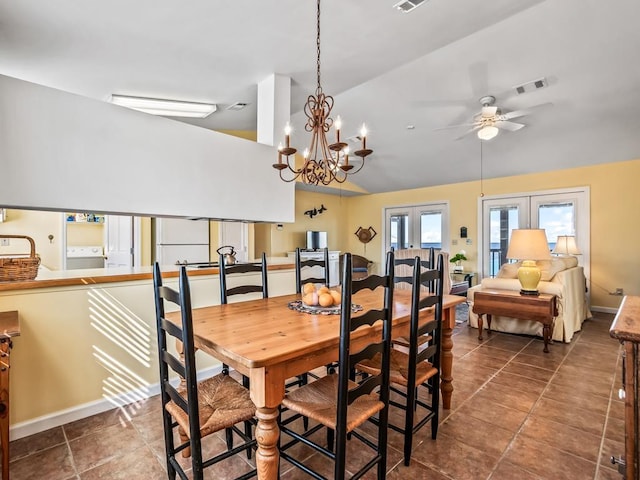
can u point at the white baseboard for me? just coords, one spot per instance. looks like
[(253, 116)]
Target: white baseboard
[(604, 309), (78, 412)]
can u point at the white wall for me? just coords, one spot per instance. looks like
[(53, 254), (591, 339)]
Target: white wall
[(60, 151)]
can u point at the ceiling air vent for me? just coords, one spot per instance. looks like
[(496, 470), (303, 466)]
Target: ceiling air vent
[(408, 5), (531, 86), (237, 106)]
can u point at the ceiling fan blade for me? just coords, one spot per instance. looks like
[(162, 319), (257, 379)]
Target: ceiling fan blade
[(474, 124), (523, 112), (489, 111), (511, 126), (471, 130)]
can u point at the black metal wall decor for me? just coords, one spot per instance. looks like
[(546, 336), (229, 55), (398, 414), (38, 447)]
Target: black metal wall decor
[(316, 211)]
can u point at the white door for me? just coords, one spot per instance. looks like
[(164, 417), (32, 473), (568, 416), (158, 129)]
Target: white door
[(236, 234), (500, 216), (417, 226), (559, 212), (118, 241)]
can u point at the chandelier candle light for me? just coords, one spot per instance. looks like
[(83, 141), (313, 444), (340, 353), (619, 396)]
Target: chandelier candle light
[(323, 162)]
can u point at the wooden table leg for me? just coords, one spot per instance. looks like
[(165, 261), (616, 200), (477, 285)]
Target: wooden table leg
[(446, 358), (267, 434), (267, 392), (546, 334), (480, 326)]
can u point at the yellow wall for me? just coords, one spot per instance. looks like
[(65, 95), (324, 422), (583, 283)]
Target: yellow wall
[(37, 225), (615, 202), (85, 233), (278, 242)]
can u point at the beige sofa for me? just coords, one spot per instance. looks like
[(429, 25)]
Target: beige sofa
[(561, 276)]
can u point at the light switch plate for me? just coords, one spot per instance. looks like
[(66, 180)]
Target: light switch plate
[(469, 242)]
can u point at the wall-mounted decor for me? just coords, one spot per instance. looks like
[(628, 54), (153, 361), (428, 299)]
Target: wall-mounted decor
[(365, 235), (315, 211)]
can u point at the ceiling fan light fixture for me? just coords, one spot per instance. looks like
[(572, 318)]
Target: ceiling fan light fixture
[(488, 132)]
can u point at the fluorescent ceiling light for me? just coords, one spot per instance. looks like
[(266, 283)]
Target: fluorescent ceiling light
[(168, 108)]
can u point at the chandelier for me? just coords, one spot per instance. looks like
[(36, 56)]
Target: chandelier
[(324, 162)]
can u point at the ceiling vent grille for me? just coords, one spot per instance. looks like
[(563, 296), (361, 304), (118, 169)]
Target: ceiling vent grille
[(237, 106), (531, 86), (406, 6)]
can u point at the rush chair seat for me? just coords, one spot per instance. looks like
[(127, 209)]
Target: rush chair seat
[(196, 409), (420, 367), (335, 401)]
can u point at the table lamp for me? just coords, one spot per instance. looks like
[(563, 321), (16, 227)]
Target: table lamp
[(566, 246), (529, 245)]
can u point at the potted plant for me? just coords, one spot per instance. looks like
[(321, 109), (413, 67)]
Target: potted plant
[(457, 259)]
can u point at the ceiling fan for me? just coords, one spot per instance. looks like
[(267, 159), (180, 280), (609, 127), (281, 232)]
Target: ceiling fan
[(490, 120)]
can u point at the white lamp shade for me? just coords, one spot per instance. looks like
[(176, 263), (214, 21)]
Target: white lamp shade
[(528, 244), (487, 132), (566, 245)]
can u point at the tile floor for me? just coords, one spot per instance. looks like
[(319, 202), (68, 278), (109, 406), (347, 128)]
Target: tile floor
[(517, 413)]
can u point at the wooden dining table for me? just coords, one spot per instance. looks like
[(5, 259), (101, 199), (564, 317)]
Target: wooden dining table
[(269, 342)]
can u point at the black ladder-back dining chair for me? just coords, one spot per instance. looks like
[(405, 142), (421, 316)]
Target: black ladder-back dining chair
[(226, 291), (338, 403), (404, 266), (427, 264), (238, 268), (303, 266), (421, 366), (196, 409)]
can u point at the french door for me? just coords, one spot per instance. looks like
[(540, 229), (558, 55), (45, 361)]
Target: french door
[(417, 226), (558, 212)]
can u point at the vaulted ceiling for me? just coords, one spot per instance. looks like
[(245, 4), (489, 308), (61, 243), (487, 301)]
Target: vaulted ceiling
[(405, 75)]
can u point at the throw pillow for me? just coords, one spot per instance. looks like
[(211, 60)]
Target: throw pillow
[(548, 268), (509, 270)]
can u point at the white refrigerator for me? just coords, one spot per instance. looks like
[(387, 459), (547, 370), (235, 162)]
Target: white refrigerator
[(181, 240)]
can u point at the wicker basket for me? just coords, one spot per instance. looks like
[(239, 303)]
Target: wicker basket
[(14, 268)]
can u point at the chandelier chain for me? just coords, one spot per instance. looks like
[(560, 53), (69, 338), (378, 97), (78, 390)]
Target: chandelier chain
[(319, 88)]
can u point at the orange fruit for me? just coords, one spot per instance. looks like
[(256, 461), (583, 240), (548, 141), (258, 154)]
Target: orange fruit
[(308, 288), (310, 299), (325, 300), (323, 289), (337, 297)]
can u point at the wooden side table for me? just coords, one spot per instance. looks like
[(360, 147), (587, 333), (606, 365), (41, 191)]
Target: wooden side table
[(542, 308), (9, 328)]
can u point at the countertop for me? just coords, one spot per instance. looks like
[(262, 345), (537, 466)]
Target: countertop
[(90, 276)]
